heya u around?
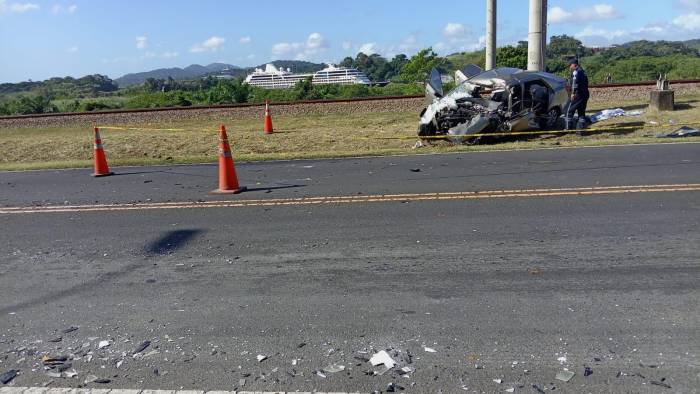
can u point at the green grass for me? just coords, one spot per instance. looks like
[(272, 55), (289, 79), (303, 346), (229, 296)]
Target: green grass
[(297, 137)]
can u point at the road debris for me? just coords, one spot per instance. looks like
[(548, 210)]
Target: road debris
[(56, 340), (140, 348), (320, 374), (382, 357), (510, 390), (103, 344), (429, 349), (538, 389), (587, 371), (261, 358), (69, 330), (415, 170), (564, 376), (334, 368), (393, 388), (499, 381), (7, 377), (660, 383), (684, 131)]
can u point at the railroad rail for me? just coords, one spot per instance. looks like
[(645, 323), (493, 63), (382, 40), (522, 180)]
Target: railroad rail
[(290, 103)]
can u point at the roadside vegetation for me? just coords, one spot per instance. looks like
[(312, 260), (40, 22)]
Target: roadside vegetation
[(634, 61), (303, 135)]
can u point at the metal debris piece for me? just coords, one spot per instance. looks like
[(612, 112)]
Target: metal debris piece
[(393, 388), (54, 374), (90, 379), (102, 380), (7, 377), (658, 383), (415, 170), (119, 363), (334, 368), (140, 348), (320, 374), (429, 349), (499, 381), (407, 370), (564, 376), (301, 345), (71, 374), (382, 357), (510, 390), (241, 382), (102, 344), (538, 389), (69, 329), (55, 360), (261, 358), (294, 362), (587, 371), (56, 340)]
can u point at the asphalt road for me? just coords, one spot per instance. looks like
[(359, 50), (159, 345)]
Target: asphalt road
[(503, 289)]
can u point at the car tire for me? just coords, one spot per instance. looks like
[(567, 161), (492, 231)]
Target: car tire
[(552, 118)]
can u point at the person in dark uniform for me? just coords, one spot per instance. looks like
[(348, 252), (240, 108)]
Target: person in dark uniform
[(579, 96), (540, 103)]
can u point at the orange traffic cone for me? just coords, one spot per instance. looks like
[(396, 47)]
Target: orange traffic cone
[(268, 119), (228, 180), (101, 167)]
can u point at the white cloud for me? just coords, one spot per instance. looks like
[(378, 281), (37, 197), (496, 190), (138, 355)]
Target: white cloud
[(315, 45), (251, 56), (211, 44), (73, 49), (245, 40), (688, 21), (59, 9), (589, 31), (169, 55), (690, 4), (368, 48), (598, 12), (454, 31), (558, 15), (17, 8), (141, 42), (285, 48)]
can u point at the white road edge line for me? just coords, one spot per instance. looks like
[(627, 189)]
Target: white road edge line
[(46, 390)]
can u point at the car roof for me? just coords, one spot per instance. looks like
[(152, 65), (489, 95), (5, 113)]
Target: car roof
[(510, 74)]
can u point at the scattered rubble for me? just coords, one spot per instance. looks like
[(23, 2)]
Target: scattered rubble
[(564, 376), (382, 358), (7, 377)]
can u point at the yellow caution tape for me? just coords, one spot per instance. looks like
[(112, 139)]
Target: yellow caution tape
[(534, 132)]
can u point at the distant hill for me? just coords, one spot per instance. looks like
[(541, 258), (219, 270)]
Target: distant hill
[(189, 72), (196, 71), (693, 44)]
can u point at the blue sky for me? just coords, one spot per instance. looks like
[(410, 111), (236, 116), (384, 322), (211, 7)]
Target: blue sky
[(41, 39)]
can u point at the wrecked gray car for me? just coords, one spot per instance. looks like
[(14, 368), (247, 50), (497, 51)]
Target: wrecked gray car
[(500, 100)]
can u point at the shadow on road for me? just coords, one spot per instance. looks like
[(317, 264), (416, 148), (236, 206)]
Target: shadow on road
[(258, 189), (171, 241), (167, 243)]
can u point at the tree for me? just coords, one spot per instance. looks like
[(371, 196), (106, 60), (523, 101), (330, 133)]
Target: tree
[(510, 56), (418, 68)]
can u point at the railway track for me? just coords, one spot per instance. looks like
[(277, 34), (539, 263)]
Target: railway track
[(291, 103)]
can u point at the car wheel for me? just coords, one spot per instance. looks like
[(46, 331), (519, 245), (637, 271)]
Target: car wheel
[(552, 118)]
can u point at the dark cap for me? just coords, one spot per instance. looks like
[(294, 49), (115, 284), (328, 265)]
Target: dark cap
[(573, 61)]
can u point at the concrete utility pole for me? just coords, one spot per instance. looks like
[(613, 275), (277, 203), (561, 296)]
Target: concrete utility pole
[(491, 27), (534, 45), (544, 35)]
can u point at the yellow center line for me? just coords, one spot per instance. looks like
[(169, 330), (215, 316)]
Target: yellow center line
[(437, 196)]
